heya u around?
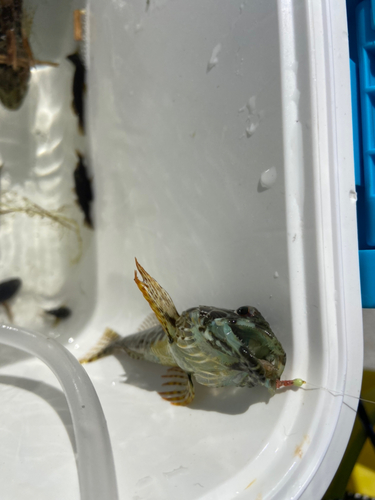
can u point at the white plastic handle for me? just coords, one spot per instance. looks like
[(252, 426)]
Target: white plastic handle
[(96, 470)]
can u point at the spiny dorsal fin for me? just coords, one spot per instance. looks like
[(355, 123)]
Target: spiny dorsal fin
[(159, 300), (102, 348), (149, 321)]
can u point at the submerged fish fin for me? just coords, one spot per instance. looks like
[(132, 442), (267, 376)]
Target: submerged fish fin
[(103, 347), (185, 394), (159, 300)]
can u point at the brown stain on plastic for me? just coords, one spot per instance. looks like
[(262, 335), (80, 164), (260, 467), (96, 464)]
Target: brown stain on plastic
[(298, 452), (259, 497), (252, 482)]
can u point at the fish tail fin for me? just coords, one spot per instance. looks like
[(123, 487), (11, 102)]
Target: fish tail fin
[(103, 347)]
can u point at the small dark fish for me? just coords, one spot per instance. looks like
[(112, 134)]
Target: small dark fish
[(60, 312), (15, 55), (9, 288), (83, 189), (79, 86)]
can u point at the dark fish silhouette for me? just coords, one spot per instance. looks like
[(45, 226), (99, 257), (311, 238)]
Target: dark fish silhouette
[(79, 85), (8, 289), (83, 189), (60, 312)]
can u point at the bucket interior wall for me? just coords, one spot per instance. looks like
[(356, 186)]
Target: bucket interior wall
[(185, 145)]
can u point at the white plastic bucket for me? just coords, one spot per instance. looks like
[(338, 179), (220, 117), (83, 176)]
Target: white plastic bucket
[(190, 104)]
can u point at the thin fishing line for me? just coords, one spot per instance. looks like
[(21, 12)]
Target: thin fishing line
[(336, 393)]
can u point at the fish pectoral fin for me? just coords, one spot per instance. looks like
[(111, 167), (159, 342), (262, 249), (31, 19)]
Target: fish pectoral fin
[(185, 393), (103, 347)]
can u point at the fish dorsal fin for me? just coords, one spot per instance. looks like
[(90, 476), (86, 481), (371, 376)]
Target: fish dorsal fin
[(149, 321), (159, 300)]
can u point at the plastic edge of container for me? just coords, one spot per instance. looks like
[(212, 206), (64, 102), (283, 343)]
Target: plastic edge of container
[(330, 21)]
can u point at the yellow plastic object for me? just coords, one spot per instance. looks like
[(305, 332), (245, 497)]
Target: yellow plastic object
[(362, 479), (368, 381)]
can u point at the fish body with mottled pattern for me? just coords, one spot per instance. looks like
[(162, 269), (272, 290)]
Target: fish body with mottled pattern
[(222, 347), (15, 55), (218, 347)]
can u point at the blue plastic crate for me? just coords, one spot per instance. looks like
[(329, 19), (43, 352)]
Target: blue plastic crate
[(361, 27)]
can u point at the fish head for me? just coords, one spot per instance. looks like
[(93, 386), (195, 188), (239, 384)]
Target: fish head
[(243, 339)]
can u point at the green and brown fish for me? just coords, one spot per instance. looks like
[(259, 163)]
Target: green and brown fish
[(218, 347), (16, 57)]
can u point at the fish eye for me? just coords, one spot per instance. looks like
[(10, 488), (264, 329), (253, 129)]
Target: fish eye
[(247, 311), (243, 311)]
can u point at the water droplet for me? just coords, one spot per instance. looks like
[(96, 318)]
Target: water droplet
[(71, 340), (353, 195), (276, 275), (113, 382), (214, 59), (251, 129), (76, 346), (268, 178)]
